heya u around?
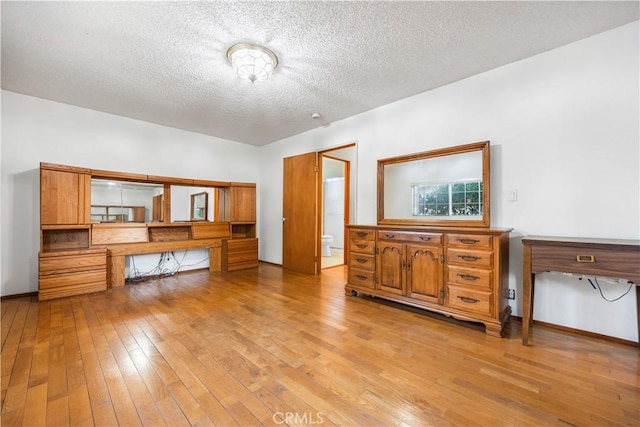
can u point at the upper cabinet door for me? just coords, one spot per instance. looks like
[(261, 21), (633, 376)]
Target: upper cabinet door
[(65, 197), (243, 204)]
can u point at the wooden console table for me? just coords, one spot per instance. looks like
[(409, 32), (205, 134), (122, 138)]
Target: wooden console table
[(589, 257)]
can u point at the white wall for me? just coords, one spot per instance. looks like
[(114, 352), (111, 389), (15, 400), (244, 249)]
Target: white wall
[(564, 129), (36, 130)]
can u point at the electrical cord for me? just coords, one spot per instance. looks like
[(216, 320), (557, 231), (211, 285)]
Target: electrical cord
[(597, 286), (161, 269)]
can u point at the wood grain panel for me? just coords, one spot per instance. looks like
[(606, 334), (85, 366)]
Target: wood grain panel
[(113, 235)]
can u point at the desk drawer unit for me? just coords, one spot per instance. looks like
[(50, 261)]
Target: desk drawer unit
[(238, 254), (62, 274)]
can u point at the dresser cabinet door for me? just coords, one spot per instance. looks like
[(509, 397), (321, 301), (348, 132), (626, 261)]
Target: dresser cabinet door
[(424, 273), (391, 264)]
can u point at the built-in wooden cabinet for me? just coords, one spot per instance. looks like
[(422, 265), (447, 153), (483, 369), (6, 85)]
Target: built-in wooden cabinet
[(459, 272), (65, 194), (83, 247)]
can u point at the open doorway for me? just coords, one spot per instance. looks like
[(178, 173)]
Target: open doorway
[(335, 207)]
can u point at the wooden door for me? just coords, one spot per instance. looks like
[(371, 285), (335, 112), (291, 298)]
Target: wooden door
[(424, 273), (390, 265), (299, 237)]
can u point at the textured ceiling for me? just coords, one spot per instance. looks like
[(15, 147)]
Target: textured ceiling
[(165, 62)]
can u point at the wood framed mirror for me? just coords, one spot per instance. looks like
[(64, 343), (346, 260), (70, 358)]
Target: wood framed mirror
[(199, 205), (443, 187)]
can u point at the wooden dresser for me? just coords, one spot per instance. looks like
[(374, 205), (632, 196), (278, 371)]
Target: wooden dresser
[(458, 272)]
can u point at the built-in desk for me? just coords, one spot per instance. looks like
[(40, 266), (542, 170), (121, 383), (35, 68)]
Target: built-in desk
[(590, 257)]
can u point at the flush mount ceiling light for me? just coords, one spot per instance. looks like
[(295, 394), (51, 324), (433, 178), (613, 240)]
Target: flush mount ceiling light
[(251, 61)]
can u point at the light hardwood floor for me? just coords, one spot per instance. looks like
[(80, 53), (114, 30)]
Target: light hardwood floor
[(267, 347)]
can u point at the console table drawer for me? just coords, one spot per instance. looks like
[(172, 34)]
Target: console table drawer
[(582, 260)]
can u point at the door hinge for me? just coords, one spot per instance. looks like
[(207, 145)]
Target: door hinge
[(442, 258), (442, 294)]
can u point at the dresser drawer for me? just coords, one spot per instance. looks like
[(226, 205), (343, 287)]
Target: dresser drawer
[(361, 278), (476, 277), (362, 246), (408, 236), (475, 241), (468, 257), (360, 234), (472, 300), (362, 261), (73, 279), (241, 245), (242, 257), (50, 265)]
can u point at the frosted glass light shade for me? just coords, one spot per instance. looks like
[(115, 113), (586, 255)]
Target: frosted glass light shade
[(251, 61)]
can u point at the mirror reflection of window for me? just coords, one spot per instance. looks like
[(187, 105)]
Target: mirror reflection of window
[(447, 199), (447, 187)]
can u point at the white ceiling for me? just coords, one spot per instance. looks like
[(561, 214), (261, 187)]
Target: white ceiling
[(165, 62)]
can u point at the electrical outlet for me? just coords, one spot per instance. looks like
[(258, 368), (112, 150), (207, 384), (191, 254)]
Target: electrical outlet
[(512, 294)]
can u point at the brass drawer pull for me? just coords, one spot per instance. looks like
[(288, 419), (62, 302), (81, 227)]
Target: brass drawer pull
[(469, 257), (361, 260), (468, 241), (361, 277), (469, 300), (585, 258), (468, 277), (361, 233), (390, 236), (425, 239), (362, 246)]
